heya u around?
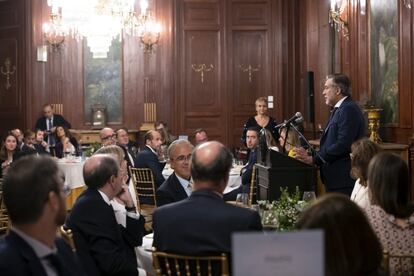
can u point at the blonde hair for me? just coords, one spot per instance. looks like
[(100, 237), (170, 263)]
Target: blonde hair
[(292, 139), (113, 150), (261, 99)]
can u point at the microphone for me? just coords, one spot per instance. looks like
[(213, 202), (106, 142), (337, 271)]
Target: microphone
[(296, 119)]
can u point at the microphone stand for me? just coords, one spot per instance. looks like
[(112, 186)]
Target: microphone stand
[(313, 151)]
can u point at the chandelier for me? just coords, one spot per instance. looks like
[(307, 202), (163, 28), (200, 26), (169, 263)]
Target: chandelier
[(337, 17), (100, 21)]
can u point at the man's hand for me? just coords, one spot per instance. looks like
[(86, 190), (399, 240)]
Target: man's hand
[(302, 155), (125, 196)]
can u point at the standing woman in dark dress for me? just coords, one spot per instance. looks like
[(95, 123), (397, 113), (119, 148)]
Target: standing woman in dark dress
[(261, 120)]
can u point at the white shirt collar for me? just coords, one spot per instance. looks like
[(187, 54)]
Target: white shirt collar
[(338, 104), (105, 197), (151, 149), (184, 182)]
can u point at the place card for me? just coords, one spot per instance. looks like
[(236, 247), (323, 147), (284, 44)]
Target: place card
[(288, 253)]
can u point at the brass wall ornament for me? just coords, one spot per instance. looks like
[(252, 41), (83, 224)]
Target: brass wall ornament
[(201, 68), (7, 71), (249, 69), (374, 115)]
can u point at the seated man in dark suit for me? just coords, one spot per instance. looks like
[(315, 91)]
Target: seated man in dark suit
[(35, 199), (203, 223), (105, 247), (177, 186), (49, 122), (148, 157)]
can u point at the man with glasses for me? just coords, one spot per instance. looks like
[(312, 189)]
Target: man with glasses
[(346, 125), (34, 195), (108, 136), (177, 187)]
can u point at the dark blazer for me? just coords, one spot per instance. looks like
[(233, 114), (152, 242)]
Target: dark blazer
[(271, 126), (103, 246), (170, 191), (59, 147), (344, 127), (58, 120), (147, 159), (17, 257), (201, 224)]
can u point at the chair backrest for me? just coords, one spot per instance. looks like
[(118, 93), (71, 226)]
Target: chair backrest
[(173, 264), (398, 264), (67, 236), (253, 186), (4, 217), (144, 184)]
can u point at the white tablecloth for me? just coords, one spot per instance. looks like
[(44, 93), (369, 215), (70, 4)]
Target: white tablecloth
[(73, 170), (144, 255)]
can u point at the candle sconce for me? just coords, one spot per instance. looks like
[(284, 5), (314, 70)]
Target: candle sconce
[(8, 70)]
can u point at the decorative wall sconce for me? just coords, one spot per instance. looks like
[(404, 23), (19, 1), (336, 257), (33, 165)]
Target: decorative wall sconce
[(201, 68), (249, 69), (54, 32), (407, 3), (148, 32), (8, 70), (337, 17)]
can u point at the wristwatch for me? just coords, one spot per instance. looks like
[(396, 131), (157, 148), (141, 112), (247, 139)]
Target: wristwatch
[(130, 209)]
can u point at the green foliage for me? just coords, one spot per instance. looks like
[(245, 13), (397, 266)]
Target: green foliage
[(92, 149)]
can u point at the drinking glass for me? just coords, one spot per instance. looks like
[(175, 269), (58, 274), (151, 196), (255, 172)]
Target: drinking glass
[(256, 208), (242, 199), (309, 196)]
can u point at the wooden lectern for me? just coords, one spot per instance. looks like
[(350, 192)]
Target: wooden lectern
[(279, 170)]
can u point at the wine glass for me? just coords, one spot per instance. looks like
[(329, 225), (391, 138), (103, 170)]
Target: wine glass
[(242, 199), (309, 196)]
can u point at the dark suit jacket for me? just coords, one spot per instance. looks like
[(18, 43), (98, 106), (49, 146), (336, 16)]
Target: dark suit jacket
[(170, 191), (58, 120), (17, 257), (147, 159), (201, 224), (103, 246), (346, 126)]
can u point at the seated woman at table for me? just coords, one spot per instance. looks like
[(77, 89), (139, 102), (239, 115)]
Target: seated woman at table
[(391, 212), (261, 120), (117, 205), (362, 151), (351, 246), (65, 143), (8, 152), (291, 142)]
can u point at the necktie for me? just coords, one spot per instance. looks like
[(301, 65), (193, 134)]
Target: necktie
[(333, 112), (56, 263), (50, 124)]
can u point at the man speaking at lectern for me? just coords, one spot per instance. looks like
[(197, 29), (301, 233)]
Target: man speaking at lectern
[(345, 125)]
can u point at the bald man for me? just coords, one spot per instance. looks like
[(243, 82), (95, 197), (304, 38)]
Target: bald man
[(203, 223)]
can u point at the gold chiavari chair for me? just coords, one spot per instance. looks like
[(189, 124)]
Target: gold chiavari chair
[(174, 264), (144, 183), (67, 236), (4, 217), (253, 186)]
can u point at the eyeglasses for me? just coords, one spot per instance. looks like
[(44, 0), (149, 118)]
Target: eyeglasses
[(182, 158), (113, 136)]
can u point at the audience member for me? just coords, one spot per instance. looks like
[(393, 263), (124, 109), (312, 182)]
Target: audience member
[(203, 223), (108, 136), (166, 137), (34, 196), (391, 212), (66, 144), (362, 151), (351, 247), (28, 147), (119, 206), (148, 156), (8, 152), (105, 247), (261, 120), (291, 142), (40, 144), (123, 141), (49, 121), (177, 186), (345, 126), (19, 135), (200, 136)]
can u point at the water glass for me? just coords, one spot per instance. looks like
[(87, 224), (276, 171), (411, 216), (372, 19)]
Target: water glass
[(309, 196), (242, 199), (256, 208)]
